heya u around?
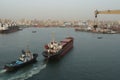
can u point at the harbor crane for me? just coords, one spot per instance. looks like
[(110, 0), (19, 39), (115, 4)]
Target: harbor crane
[(105, 12)]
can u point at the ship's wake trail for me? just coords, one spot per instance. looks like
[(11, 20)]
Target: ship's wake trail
[(2, 71), (29, 73)]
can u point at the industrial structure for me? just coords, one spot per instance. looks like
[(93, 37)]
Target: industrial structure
[(104, 12)]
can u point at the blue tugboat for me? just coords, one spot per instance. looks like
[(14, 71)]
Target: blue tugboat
[(25, 59)]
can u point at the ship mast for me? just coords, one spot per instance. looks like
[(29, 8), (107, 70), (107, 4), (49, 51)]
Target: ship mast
[(53, 36), (27, 50)]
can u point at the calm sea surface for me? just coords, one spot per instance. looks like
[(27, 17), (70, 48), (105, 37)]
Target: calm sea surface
[(90, 59)]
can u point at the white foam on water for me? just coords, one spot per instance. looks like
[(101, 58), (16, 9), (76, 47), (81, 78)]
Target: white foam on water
[(1, 74), (29, 73), (2, 71)]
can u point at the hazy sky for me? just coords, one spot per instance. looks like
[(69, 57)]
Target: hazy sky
[(57, 9)]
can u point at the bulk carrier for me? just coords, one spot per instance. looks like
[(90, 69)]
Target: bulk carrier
[(5, 28), (55, 50)]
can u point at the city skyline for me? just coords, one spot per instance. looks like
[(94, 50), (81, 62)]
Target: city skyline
[(53, 9)]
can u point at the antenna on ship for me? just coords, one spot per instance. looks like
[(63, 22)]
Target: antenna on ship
[(53, 36), (27, 48)]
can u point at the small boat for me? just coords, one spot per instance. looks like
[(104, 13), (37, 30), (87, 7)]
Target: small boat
[(34, 31), (25, 59), (99, 37), (55, 50)]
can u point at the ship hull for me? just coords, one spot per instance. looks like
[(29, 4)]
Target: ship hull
[(61, 53), (10, 29), (3, 31)]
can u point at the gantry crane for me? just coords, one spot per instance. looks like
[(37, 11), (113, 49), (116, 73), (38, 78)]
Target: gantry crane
[(105, 12)]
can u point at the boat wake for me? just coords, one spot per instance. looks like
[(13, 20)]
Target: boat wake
[(29, 73), (2, 71)]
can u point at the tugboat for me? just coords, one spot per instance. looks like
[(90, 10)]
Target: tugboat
[(55, 50), (26, 58)]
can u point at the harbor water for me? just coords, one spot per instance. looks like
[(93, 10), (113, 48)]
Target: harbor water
[(92, 58)]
